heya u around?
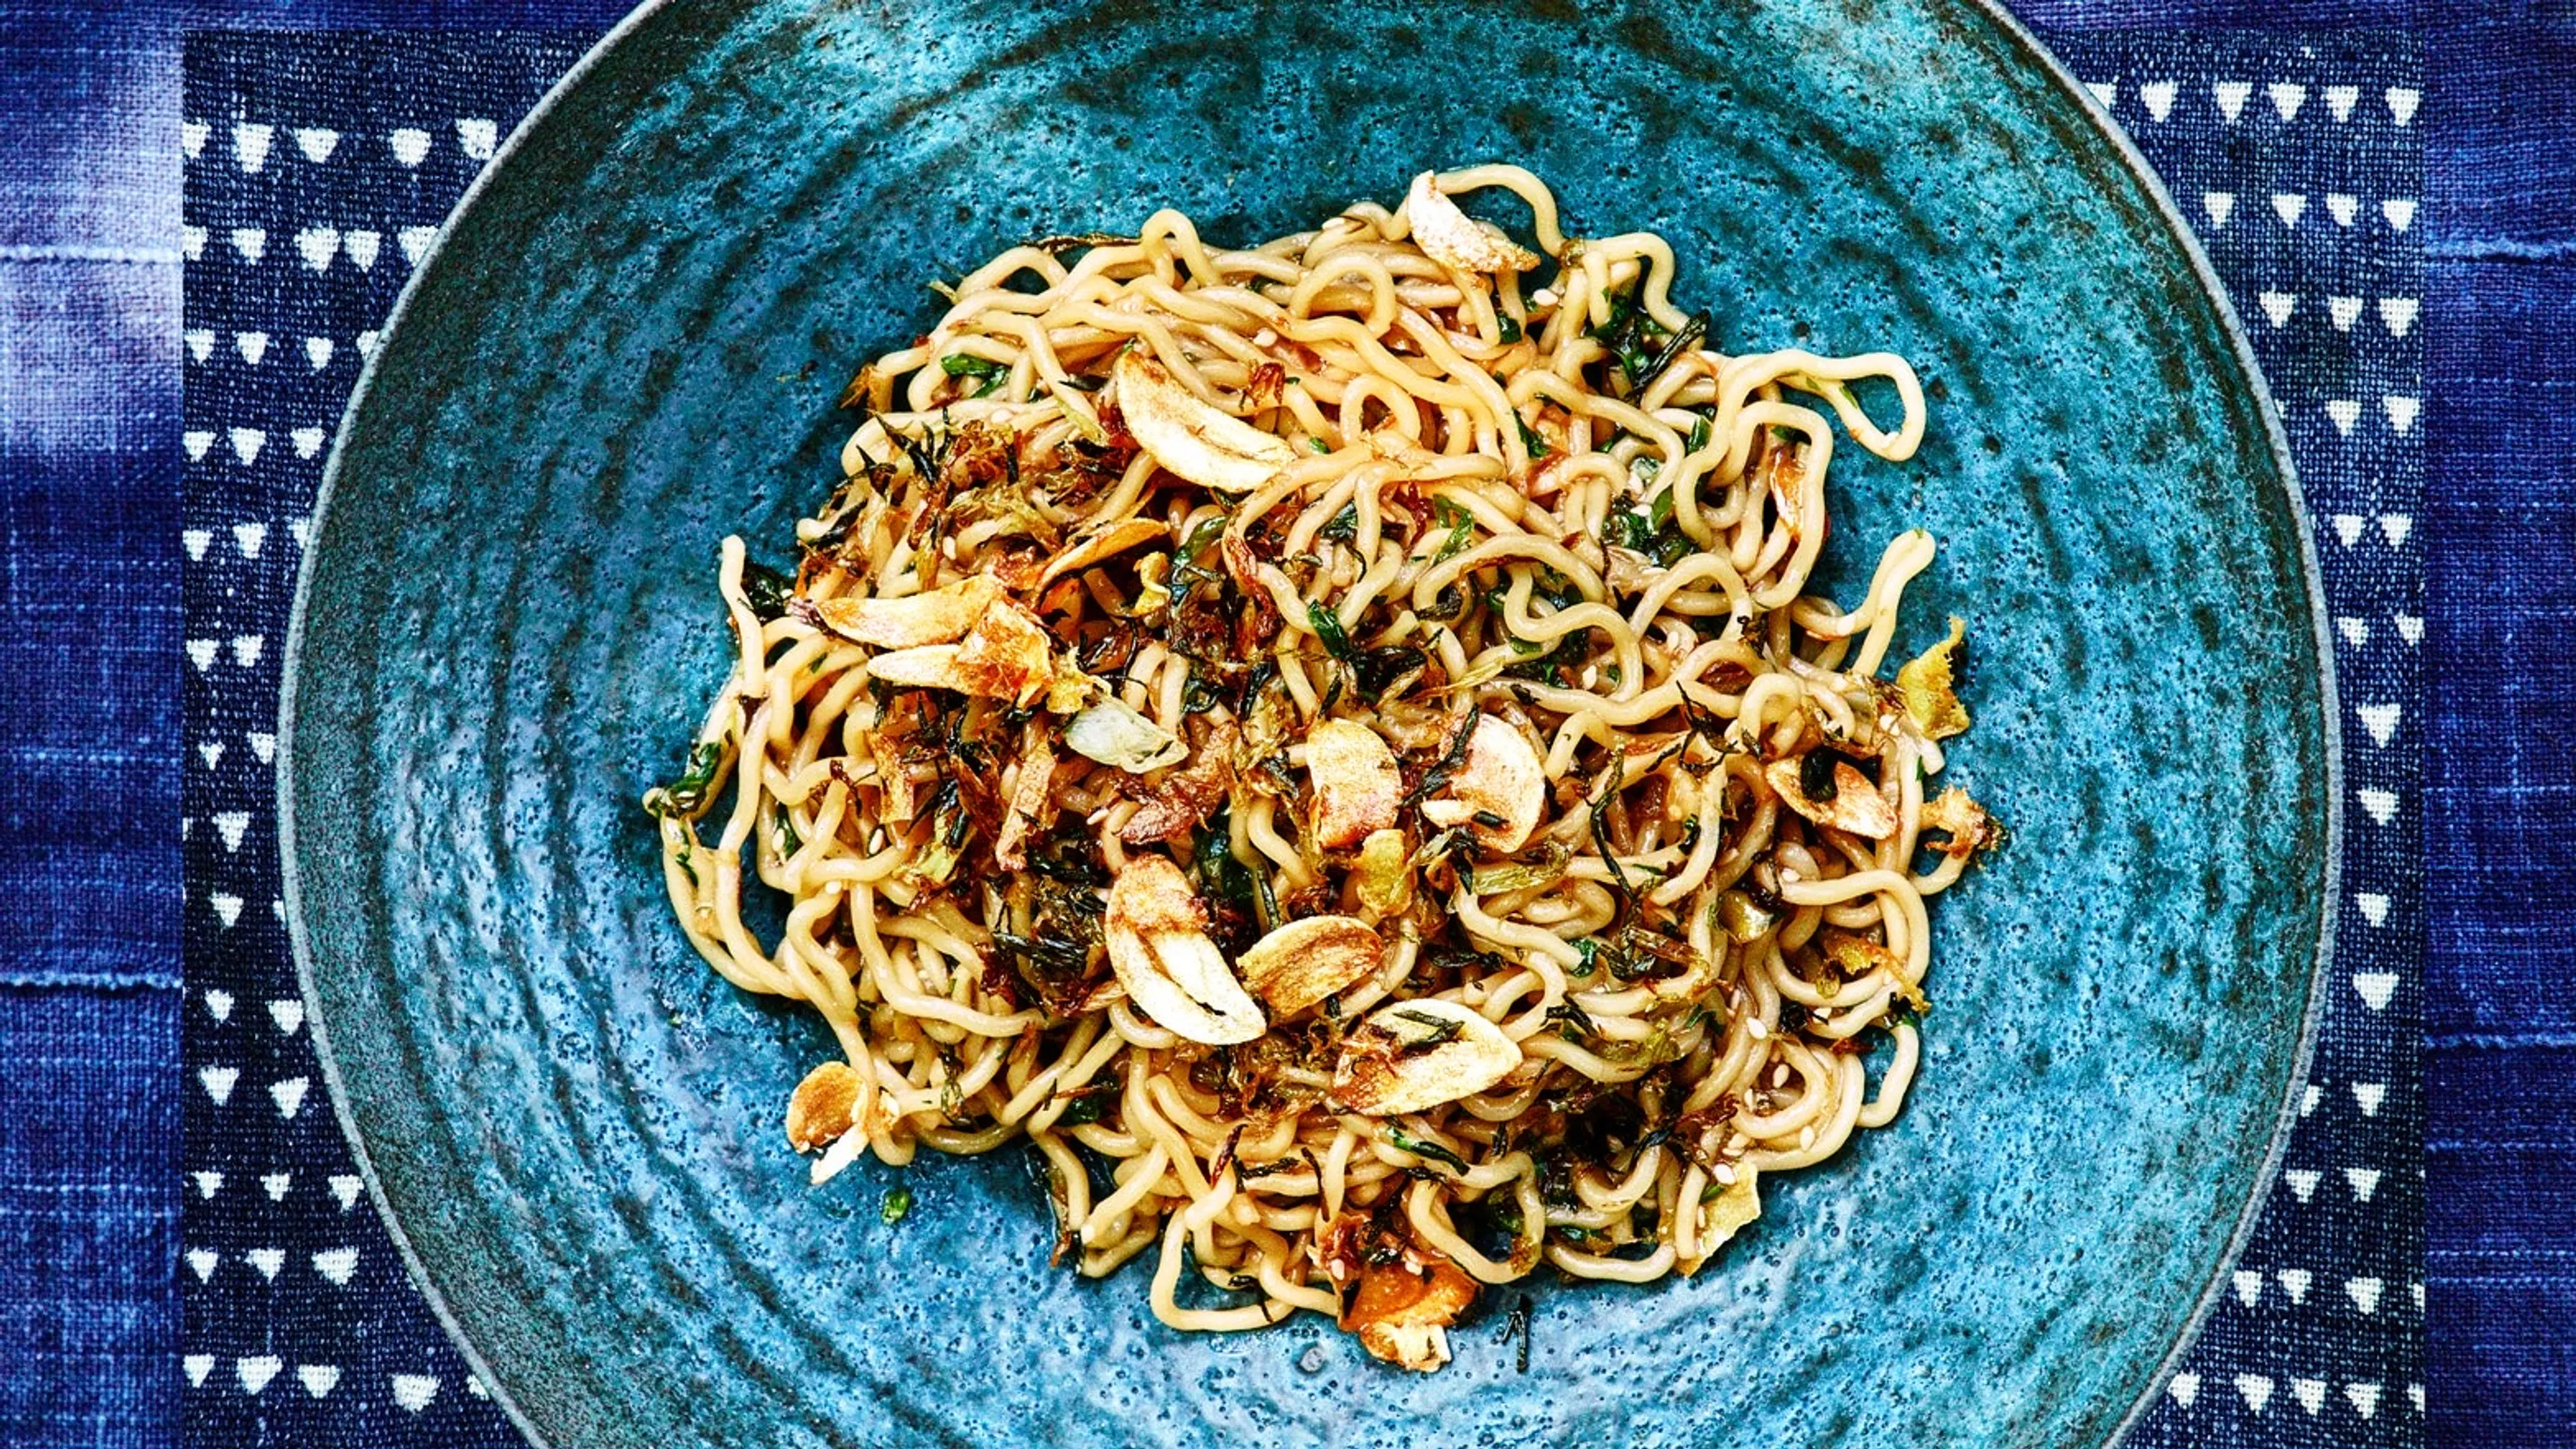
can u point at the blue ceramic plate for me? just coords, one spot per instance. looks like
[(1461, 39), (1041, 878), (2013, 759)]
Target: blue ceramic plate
[(630, 343)]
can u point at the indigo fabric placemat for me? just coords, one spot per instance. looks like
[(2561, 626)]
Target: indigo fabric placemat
[(317, 169)]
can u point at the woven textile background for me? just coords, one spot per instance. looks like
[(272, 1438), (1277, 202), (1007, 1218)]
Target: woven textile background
[(317, 169)]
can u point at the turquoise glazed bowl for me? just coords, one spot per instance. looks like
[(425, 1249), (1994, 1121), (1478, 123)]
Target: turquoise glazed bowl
[(629, 345)]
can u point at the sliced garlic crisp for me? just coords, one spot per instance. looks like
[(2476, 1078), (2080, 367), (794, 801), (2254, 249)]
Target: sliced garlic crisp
[(1403, 1316), (1453, 238), (822, 1108), (1305, 961), (1855, 804), (1173, 973), (930, 666), (1107, 544), (1189, 437), (1499, 790), (1005, 656), (941, 616), (1356, 783), (1415, 1055)]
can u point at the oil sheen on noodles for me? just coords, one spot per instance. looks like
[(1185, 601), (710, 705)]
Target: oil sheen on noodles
[(1336, 747)]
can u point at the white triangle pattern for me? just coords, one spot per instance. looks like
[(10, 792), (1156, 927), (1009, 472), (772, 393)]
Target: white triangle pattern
[(336, 1265)]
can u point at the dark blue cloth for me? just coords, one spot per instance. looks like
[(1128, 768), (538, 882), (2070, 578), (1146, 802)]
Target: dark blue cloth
[(90, 443), (2500, 788)]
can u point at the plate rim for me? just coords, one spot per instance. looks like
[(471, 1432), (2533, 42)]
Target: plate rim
[(2032, 51)]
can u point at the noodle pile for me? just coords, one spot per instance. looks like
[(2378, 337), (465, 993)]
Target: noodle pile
[(1338, 752)]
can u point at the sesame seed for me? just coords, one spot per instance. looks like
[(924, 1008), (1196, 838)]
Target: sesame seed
[(1806, 1137), (1723, 1173), (1760, 1032)]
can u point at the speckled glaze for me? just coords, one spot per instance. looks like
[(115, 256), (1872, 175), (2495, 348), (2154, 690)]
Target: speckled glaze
[(630, 345)]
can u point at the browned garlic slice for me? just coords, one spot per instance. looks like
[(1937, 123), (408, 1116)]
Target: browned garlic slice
[(1158, 945), (1305, 961), (823, 1106), (1357, 786), (1189, 437), (1028, 802), (1499, 791), (1415, 1055), (1737, 1204), (1108, 543), (1856, 806), (1453, 238), (1005, 656), (1403, 1316), (940, 616), (931, 666)]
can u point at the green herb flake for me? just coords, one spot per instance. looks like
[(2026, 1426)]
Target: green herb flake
[(1439, 1029), (687, 795), (898, 1203), (1403, 1141), (1328, 627), (766, 590), (1508, 327), (1531, 442), (959, 364)]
